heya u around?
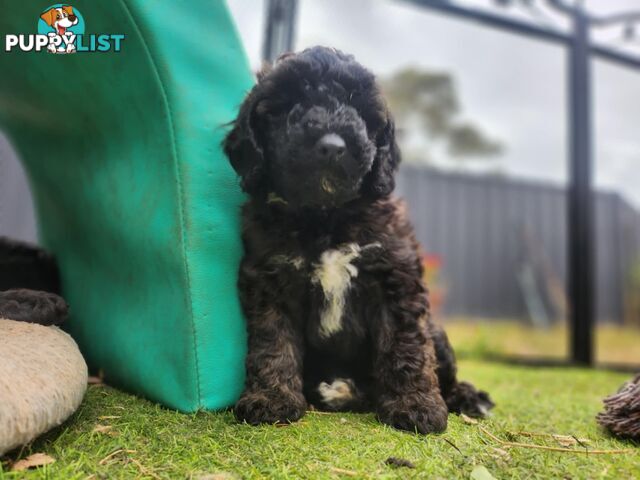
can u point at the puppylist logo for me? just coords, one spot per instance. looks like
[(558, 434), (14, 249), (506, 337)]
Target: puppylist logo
[(61, 30)]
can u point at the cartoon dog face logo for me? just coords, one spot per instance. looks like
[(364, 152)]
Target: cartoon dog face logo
[(60, 19)]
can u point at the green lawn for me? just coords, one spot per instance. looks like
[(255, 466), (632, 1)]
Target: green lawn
[(478, 338), (151, 442)]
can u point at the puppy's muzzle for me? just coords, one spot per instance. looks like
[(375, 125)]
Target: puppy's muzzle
[(336, 169), (332, 159), (330, 147)]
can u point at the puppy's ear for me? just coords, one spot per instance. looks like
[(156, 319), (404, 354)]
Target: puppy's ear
[(242, 147), (380, 181), (49, 16)]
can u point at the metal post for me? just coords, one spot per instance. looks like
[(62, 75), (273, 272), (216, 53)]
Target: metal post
[(580, 203), (279, 28)]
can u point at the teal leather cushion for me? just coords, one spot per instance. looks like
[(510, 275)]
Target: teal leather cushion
[(133, 193)]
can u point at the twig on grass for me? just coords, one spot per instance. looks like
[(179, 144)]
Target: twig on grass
[(113, 454), (453, 445), (144, 470), (553, 449), (555, 436), (342, 471), (581, 442)]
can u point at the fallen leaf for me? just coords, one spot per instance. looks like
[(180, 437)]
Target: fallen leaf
[(500, 455), (32, 461), (481, 473), (218, 476), (94, 381), (108, 417), (500, 452), (106, 430), (468, 420)]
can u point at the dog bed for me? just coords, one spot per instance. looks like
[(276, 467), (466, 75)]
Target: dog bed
[(133, 193), (43, 378)]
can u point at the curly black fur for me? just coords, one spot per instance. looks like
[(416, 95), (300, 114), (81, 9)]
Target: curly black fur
[(29, 285), (331, 281)]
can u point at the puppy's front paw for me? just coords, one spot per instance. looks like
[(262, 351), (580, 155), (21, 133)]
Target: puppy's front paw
[(465, 398), (277, 406), (424, 413), (33, 306), (52, 47)]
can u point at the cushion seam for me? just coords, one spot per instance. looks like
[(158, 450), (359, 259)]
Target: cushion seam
[(181, 203)]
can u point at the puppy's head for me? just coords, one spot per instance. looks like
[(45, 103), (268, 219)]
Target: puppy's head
[(314, 132), (60, 17)]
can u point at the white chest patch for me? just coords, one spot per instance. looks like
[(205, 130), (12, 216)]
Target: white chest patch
[(334, 273)]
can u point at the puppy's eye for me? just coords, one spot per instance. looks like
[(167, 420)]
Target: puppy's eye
[(295, 114), (311, 123)]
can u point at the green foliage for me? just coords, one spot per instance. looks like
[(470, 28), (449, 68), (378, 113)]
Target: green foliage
[(431, 99), (432, 96)]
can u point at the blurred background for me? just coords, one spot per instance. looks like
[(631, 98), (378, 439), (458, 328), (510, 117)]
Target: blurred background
[(484, 117)]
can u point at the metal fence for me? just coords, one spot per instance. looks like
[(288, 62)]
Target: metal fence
[(503, 246)]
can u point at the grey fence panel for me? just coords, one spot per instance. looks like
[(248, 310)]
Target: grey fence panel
[(487, 230), (503, 243)]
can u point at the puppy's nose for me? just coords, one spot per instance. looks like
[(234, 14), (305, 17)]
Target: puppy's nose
[(72, 18), (330, 146)]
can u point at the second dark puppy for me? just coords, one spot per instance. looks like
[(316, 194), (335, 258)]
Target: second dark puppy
[(29, 284), (331, 282)]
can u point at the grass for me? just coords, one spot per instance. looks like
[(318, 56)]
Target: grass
[(152, 442), (613, 344)]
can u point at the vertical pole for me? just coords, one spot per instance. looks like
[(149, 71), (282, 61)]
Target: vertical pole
[(580, 208), (279, 34)]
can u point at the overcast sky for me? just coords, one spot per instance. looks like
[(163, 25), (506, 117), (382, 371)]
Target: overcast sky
[(512, 86)]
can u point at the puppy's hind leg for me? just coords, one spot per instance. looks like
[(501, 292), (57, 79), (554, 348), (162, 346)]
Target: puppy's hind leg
[(461, 397), (27, 266), (408, 397), (29, 284)]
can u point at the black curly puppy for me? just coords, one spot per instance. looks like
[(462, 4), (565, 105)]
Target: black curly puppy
[(331, 281), (29, 285)]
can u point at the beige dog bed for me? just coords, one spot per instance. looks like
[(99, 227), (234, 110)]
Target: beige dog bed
[(43, 378)]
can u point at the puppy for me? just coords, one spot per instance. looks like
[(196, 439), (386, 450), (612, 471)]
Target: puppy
[(60, 19), (29, 285), (331, 280)]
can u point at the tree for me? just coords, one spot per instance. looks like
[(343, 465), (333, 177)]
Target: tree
[(427, 102)]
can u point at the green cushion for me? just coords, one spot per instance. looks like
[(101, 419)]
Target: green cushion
[(133, 193)]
